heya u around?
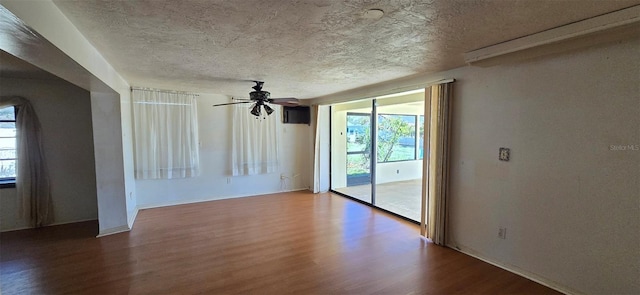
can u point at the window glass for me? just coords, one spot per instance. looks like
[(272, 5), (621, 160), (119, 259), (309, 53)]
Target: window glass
[(358, 143), (396, 138), (421, 137), (7, 143), (358, 126)]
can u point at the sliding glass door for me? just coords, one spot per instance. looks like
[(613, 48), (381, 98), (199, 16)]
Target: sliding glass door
[(398, 184), (377, 152), (358, 149), (351, 161)]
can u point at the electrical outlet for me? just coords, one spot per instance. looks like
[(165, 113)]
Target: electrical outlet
[(228, 180), (502, 233)]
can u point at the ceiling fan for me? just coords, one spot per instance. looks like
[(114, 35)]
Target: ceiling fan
[(262, 98)]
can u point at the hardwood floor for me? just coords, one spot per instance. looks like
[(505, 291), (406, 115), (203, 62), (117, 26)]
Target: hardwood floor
[(290, 243)]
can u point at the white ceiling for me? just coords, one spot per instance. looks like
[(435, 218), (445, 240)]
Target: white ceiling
[(305, 48)]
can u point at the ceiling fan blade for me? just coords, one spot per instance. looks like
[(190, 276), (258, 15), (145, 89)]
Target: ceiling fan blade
[(240, 99), (224, 104), (285, 101)]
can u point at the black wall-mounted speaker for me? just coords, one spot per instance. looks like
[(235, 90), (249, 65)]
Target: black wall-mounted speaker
[(296, 115)]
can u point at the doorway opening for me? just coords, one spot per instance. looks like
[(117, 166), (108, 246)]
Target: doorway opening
[(377, 152)]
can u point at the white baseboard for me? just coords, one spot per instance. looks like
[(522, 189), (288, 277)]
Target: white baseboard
[(111, 231), (286, 191), (106, 232), (184, 202), (53, 224), (15, 229), (132, 218), (523, 273)]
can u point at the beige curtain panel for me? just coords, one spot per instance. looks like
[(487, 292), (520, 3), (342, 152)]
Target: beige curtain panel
[(32, 177), (438, 100), (316, 148)]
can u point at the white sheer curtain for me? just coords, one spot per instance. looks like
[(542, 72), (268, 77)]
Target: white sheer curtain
[(165, 134), (255, 144), (32, 177)]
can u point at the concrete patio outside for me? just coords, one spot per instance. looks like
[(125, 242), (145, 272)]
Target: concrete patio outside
[(401, 197)]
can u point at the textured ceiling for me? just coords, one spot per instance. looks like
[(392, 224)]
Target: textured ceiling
[(305, 48)]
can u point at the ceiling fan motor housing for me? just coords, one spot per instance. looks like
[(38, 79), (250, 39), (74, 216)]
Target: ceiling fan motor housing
[(259, 95)]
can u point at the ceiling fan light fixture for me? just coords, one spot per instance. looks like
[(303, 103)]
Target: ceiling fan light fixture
[(268, 109), (256, 110), (259, 95)]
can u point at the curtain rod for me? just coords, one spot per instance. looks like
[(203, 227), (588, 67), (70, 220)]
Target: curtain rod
[(162, 90)]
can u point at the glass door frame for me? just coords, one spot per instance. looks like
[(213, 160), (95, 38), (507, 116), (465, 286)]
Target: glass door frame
[(373, 162), (364, 152)]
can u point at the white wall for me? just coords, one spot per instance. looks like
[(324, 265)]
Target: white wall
[(67, 54), (126, 124), (215, 182), (321, 167), (398, 171), (112, 203), (570, 204), (64, 111)]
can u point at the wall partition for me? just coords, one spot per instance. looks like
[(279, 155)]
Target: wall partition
[(377, 152)]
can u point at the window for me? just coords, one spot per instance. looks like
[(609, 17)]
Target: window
[(396, 138), (421, 137), (7, 145), (165, 134), (358, 143)]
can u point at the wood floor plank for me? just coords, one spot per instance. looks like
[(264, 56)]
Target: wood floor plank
[(289, 243)]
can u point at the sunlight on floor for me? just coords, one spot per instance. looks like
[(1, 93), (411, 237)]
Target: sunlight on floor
[(401, 197)]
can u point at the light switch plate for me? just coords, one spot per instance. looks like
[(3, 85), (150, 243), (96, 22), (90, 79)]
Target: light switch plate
[(505, 153)]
